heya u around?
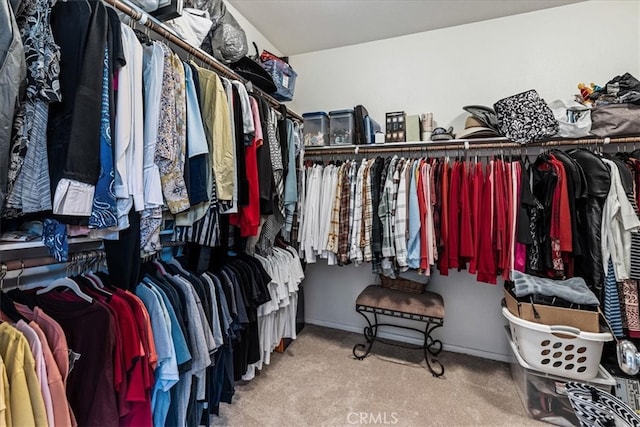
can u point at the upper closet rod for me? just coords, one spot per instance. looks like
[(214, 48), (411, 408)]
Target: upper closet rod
[(147, 21), (453, 145), (21, 264)]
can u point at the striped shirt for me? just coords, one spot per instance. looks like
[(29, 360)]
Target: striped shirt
[(612, 309), (355, 253), (353, 172)]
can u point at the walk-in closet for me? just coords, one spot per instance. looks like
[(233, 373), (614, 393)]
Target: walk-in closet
[(319, 213)]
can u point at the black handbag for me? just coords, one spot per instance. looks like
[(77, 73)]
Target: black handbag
[(525, 117)]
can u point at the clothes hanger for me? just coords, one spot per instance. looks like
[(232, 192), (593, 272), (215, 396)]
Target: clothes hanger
[(160, 267), (6, 302), (95, 281), (179, 266), (18, 285), (143, 38), (65, 282)]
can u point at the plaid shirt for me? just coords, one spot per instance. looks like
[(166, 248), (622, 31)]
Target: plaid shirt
[(385, 210), (400, 220), (353, 172), (356, 231), (334, 229), (343, 237), (367, 215)]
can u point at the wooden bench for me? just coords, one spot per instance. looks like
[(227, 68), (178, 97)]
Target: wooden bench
[(427, 307)]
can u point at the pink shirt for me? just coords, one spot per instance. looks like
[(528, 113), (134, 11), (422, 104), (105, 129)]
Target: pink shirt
[(57, 343), (41, 368), (61, 411), (55, 336)]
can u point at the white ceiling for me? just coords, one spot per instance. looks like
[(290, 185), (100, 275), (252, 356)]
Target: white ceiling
[(300, 26)]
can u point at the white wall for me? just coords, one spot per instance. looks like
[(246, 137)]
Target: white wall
[(253, 35), (441, 71)]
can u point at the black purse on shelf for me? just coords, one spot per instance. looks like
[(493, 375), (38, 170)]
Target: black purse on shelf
[(525, 117)]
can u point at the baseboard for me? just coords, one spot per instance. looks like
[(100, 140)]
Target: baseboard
[(413, 340)]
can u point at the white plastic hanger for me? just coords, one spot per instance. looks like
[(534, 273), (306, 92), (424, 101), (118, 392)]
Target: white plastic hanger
[(94, 280), (68, 283)]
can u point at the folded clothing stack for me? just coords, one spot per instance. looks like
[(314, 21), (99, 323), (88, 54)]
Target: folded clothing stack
[(571, 293)]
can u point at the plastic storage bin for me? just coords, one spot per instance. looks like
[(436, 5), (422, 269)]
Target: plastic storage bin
[(560, 350), (544, 396), (283, 76), (341, 125), (316, 129)]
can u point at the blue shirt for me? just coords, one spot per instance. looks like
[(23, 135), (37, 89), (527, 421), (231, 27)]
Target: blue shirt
[(413, 244), (166, 373)]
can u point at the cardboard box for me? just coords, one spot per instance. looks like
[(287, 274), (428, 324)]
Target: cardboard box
[(587, 321)]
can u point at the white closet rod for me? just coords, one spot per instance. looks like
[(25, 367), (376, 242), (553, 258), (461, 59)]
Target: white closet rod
[(463, 144)]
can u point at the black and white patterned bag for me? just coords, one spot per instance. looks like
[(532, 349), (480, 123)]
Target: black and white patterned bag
[(525, 117), (597, 408)]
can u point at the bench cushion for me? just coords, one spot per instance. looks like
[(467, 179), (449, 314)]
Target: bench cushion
[(427, 304)]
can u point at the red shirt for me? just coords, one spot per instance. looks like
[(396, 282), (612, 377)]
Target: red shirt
[(486, 248), (476, 199), (119, 360), (454, 216), (565, 233), (444, 221), (466, 228), (141, 379), (500, 214), (248, 217)]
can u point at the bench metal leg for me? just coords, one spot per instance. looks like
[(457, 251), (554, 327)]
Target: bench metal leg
[(430, 347), (370, 333)]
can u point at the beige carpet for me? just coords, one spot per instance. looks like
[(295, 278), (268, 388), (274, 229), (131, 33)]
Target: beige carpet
[(317, 382)]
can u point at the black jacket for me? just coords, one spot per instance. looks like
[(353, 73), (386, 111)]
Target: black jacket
[(589, 212)]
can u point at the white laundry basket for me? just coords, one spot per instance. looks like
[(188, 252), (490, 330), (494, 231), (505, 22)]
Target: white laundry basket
[(561, 350)]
